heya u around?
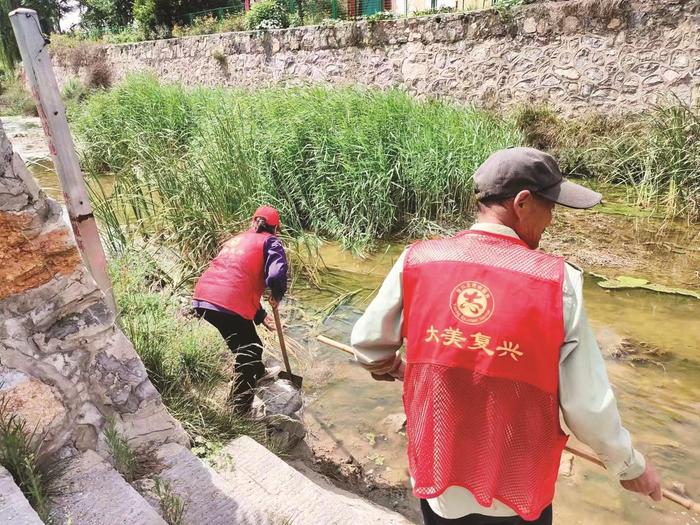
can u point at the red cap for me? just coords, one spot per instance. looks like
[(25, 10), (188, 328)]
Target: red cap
[(270, 214)]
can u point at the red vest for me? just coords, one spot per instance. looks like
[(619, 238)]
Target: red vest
[(484, 327), (235, 279)]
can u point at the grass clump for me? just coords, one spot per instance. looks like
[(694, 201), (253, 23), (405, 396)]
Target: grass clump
[(354, 165), (172, 507), (18, 454), (186, 360), (208, 24), (267, 14), (15, 99), (123, 456), (655, 155), (660, 164)]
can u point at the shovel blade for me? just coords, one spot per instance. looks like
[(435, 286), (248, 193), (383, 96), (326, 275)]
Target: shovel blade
[(293, 378)]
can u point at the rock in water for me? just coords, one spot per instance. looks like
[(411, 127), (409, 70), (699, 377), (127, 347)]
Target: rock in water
[(279, 405), (395, 423), (566, 465), (679, 488)]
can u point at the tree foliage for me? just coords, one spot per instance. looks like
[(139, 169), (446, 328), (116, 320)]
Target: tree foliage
[(50, 13), (103, 15)]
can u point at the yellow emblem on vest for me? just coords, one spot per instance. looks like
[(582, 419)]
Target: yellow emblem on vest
[(471, 302)]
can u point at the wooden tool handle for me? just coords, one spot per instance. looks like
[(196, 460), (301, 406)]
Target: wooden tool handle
[(335, 344), (669, 495), (280, 336)]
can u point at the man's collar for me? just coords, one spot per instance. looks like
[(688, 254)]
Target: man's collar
[(500, 229)]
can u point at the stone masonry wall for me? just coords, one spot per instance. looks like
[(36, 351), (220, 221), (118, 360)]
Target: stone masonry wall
[(65, 367), (617, 55)]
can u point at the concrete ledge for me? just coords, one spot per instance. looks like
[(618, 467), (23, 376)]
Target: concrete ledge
[(14, 507), (209, 499), (90, 492), (280, 490)]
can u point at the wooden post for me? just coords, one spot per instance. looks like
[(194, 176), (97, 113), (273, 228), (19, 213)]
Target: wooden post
[(33, 47)]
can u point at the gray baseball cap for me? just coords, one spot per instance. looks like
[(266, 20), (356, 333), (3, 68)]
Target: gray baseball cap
[(509, 171)]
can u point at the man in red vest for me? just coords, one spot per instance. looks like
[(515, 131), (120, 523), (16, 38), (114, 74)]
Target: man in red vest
[(228, 296), (497, 342)]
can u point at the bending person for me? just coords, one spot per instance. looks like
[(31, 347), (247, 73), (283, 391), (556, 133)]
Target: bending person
[(228, 294)]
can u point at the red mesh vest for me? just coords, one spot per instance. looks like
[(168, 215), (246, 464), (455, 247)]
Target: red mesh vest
[(235, 279), (484, 326)]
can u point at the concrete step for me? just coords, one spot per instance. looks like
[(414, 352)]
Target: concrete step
[(285, 494), (88, 491), (208, 498), (14, 507)]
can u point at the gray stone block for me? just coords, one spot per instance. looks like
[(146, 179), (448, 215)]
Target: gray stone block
[(283, 493), (209, 499), (14, 507), (90, 492)]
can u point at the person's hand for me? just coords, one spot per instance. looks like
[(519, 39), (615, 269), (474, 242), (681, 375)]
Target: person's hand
[(393, 375), (273, 302), (649, 483), (398, 374), (269, 323), (383, 377)]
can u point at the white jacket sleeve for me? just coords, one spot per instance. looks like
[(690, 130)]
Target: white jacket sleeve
[(376, 336), (587, 401)]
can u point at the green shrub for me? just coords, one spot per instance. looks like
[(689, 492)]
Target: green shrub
[(145, 13), (124, 35), (203, 25), (295, 20), (232, 22), (378, 17), (267, 14), (436, 11)]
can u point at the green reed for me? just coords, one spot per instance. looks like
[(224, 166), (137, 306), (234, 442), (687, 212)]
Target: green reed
[(355, 165)]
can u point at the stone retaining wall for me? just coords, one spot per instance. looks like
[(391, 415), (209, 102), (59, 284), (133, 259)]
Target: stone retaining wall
[(65, 367), (620, 55)]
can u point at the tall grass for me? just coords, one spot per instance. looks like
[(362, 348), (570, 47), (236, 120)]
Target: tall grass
[(350, 164), (661, 164), (19, 455), (124, 458), (655, 155), (186, 360)]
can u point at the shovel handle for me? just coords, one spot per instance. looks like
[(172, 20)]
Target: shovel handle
[(280, 337), (335, 344), (668, 494)]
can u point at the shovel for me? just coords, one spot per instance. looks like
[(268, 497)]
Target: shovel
[(295, 379)]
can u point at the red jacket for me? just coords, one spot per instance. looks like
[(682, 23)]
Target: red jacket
[(484, 327), (235, 279)]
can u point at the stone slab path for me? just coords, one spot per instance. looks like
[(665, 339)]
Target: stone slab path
[(14, 507), (288, 495), (90, 492)]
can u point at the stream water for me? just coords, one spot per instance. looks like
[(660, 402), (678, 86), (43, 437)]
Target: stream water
[(347, 410)]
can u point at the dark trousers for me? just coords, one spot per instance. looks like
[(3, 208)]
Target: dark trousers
[(430, 518), (244, 342)]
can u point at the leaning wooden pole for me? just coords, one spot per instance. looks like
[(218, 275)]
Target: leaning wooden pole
[(33, 47)]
